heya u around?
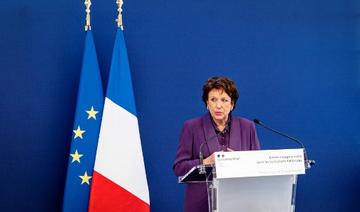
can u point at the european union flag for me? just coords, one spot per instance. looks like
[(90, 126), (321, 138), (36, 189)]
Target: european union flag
[(85, 133)]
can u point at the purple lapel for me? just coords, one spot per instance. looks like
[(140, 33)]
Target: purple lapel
[(210, 136), (235, 143)]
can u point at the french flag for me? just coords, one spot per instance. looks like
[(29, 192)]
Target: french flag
[(119, 179)]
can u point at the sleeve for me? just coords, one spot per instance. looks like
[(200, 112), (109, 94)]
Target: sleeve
[(254, 141), (184, 160)]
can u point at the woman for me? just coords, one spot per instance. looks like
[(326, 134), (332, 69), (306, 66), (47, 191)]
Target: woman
[(221, 130)]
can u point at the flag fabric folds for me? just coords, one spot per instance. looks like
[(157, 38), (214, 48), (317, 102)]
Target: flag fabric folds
[(85, 133), (119, 179)]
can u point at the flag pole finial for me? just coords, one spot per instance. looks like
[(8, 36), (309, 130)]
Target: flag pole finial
[(87, 10), (119, 17)]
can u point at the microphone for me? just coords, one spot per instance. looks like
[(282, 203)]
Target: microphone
[(201, 154), (308, 163)]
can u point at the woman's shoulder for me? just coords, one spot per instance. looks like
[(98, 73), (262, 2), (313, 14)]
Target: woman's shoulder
[(194, 121), (243, 121), (197, 121)]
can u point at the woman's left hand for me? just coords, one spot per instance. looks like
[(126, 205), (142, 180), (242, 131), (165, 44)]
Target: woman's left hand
[(209, 160)]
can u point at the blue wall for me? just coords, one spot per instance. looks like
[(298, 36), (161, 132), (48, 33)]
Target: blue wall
[(296, 64)]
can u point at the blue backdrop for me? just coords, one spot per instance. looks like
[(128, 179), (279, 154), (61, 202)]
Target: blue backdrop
[(296, 64)]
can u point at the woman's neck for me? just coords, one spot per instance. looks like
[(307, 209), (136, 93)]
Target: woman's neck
[(220, 124)]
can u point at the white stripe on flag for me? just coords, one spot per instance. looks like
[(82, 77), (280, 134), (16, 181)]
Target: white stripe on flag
[(119, 154)]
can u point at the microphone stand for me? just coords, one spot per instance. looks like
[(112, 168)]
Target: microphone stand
[(308, 163), (202, 168)]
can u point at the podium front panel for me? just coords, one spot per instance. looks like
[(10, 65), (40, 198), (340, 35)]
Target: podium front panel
[(255, 194)]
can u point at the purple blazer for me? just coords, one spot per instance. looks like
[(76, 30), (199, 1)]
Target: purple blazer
[(195, 131)]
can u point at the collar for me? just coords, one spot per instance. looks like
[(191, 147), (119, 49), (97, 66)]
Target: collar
[(227, 125)]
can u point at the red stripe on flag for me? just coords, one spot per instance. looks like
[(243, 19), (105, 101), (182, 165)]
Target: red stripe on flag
[(107, 196)]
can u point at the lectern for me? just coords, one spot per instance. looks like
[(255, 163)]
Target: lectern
[(251, 181)]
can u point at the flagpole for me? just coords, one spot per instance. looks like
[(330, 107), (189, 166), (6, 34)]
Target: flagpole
[(116, 185), (87, 10), (119, 17)]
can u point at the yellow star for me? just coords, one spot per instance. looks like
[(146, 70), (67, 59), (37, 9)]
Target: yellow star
[(92, 113), (85, 178), (78, 132), (76, 157)]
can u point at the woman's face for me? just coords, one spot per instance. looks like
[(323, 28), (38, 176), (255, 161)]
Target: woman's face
[(219, 104)]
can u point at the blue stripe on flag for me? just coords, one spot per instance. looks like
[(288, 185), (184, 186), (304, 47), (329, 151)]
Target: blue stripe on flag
[(120, 88)]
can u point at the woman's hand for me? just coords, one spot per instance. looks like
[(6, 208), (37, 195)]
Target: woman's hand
[(209, 160)]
